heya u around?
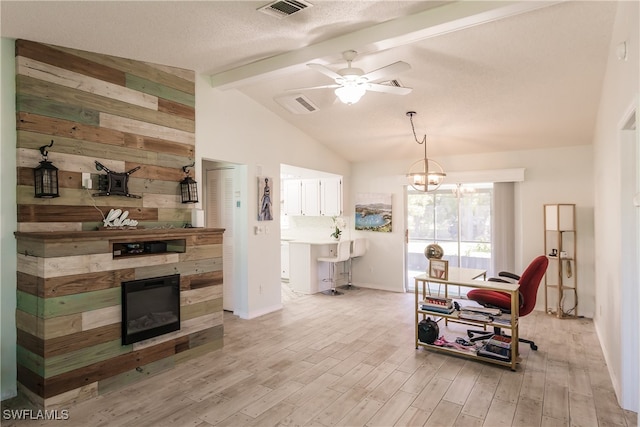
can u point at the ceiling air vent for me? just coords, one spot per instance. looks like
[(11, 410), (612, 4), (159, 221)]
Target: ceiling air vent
[(297, 104), (395, 83), (282, 8)]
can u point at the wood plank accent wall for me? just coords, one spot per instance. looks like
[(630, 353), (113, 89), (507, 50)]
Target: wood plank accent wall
[(69, 310), (121, 112), (124, 114)]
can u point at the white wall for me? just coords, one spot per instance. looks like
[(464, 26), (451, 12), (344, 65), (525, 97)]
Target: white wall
[(619, 94), (231, 127), (8, 221), (561, 175)]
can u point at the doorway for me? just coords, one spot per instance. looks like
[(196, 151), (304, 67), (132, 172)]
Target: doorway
[(224, 205), (458, 218)]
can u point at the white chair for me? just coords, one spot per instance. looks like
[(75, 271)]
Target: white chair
[(358, 248), (342, 254)]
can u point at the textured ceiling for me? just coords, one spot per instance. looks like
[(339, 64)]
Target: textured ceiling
[(486, 76)]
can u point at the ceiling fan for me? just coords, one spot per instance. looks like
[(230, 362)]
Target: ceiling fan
[(352, 83)]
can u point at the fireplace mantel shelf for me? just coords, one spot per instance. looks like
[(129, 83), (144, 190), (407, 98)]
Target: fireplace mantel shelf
[(115, 233)]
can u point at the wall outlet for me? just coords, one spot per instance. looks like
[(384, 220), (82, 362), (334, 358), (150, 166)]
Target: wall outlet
[(86, 180)]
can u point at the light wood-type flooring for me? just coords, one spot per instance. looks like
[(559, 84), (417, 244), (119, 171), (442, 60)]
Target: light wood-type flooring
[(350, 360)]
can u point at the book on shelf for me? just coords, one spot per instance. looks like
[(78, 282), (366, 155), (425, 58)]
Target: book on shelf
[(502, 320), (500, 341), (437, 309), (495, 352), (486, 310), (444, 302), (471, 315), (431, 304)]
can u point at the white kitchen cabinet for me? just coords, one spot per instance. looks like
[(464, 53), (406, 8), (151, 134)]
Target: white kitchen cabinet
[(313, 197), (292, 197), (331, 196), (310, 197)]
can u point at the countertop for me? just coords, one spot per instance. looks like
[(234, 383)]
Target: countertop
[(313, 241)]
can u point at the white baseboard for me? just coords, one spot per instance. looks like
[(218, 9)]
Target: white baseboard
[(257, 313)]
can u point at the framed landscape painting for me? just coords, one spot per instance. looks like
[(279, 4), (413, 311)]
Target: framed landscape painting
[(373, 212)]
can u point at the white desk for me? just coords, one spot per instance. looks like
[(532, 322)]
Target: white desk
[(466, 277)]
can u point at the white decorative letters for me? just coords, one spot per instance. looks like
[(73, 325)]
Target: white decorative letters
[(117, 218)]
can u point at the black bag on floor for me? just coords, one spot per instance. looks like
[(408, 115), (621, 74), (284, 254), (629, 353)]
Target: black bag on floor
[(428, 330)]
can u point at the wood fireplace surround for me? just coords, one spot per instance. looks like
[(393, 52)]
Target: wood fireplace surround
[(69, 308)]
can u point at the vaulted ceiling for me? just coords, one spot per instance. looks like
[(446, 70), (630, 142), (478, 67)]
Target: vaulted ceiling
[(485, 76)]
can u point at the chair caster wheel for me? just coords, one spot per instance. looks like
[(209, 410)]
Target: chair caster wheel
[(534, 347), (470, 334)]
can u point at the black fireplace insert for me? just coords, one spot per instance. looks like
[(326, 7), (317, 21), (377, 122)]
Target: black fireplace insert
[(150, 307)]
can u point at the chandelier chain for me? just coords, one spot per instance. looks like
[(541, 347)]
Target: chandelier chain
[(413, 128)]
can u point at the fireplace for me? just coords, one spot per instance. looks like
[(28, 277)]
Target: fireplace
[(150, 307)]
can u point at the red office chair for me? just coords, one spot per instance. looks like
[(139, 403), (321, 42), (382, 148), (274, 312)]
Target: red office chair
[(529, 282)]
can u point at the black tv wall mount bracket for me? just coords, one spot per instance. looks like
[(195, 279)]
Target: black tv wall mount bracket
[(114, 183)]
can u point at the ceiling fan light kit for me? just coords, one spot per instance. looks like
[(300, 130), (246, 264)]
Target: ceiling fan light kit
[(425, 175), (352, 83), (350, 94)]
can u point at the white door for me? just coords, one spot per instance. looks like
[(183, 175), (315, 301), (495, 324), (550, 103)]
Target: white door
[(220, 215)]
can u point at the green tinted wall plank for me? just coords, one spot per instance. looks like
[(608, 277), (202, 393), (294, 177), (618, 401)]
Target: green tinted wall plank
[(41, 106), (159, 90), (30, 360), (28, 303), (78, 303)]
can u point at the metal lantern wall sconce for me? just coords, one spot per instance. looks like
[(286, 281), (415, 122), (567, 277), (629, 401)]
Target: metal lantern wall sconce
[(188, 187), (425, 175), (45, 176)]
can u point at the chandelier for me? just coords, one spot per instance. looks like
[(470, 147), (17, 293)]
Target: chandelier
[(425, 175)]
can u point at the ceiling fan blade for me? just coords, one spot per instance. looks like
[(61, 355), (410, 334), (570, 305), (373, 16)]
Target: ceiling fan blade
[(395, 90), (380, 73), (324, 70), (313, 87)]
